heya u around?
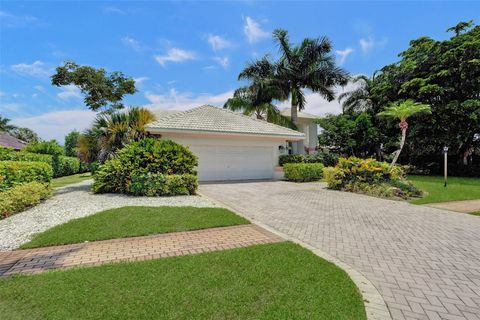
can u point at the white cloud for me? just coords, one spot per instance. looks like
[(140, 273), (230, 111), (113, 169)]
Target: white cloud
[(132, 43), (116, 10), (175, 100), (68, 92), (11, 106), (319, 106), (218, 43), (55, 125), (253, 31), (367, 44), (36, 69), (222, 61), (8, 19), (39, 88), (2, 93), (343, 54), (140, 80), (175, 55)]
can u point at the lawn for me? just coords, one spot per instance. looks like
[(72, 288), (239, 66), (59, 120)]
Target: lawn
[(134, 221), (458, 188), (274, 281), (75, 178)]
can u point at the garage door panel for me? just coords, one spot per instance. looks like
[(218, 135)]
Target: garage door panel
[(233, 163)]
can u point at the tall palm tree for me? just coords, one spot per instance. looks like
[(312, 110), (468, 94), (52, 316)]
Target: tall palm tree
[(4, 124), (402, 111), (111, 131), (306, 66), (257, 101), (360, 98)]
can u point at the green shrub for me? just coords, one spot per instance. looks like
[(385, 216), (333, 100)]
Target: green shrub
[(148, 156), (325, 158), (163, 185), (291, 158), (66, 166), (17, 172), (369, 176), (22, 196), (303, 172), (45, 147), (61, 165)]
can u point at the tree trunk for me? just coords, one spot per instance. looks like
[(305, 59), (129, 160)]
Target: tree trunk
[(294, 114), (402, 143)]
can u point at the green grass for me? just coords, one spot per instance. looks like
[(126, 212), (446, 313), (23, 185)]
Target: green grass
[(458, 188), (134, 221), (274, 281), (75, 178), (476, 213)]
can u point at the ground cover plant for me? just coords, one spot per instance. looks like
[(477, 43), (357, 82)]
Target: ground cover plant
[(22, 196), (274, 281), (458, 188), (135, 221), (370, 177)]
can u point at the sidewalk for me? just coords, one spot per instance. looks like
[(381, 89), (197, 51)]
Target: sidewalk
[(133, 249), (465, 206)]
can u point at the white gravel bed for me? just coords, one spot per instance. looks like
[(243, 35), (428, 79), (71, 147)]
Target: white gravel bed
[(75, 201)]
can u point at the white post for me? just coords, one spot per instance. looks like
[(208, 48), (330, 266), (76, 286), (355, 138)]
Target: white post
[(445, 164)]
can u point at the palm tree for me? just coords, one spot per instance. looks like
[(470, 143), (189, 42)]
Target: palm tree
[(360, 98), (255, 100), (402, 111), (111, 131), (461, 26), (306, 66), (4, 124)]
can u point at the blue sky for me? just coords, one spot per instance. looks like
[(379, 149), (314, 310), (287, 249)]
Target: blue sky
[(185, 54)]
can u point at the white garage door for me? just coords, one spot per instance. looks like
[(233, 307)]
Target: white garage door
[(216, 163)]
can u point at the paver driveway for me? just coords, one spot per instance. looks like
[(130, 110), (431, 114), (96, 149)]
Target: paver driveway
[(425, 262)]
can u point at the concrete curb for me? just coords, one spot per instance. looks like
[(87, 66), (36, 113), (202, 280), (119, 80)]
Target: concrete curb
[(375, 306)]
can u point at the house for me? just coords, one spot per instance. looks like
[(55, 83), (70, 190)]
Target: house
[(229, 145), (308, 126), (8, 141)]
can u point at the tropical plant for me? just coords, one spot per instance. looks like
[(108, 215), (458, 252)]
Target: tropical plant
[(361, 97), (402, 111), (5, 125), (111, 131), (306, 66), (461, 26), (45, 147), (71, 142), (256, 100)]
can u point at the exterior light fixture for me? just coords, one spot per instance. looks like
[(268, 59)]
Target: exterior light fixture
[(445, 164)]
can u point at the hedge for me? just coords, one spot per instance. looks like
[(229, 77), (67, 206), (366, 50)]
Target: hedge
[(303, 172), (325, 158), (149, 162), (17, 172), (163, 185), (23, 196), (61, 165)]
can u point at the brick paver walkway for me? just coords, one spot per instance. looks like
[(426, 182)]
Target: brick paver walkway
[(133, 249), (425, 262)]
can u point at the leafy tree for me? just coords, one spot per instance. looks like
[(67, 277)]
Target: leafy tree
[(4, 124), (71, 142), (24, 134), (45, 147), (402, 111), (349, 134), (461, 26), (110, 132), (446, 76), (306, 66), (101, 90)]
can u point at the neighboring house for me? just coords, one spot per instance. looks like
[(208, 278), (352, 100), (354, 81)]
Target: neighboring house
[(8, 141), (229, 145), (307, 125)]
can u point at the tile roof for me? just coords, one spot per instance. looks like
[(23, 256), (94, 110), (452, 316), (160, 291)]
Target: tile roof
[(217, 120), (8, 141)]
